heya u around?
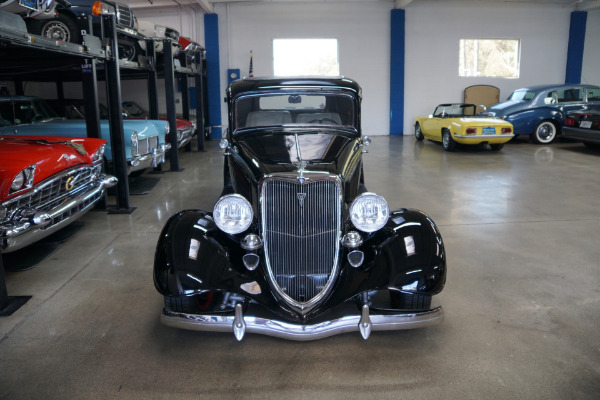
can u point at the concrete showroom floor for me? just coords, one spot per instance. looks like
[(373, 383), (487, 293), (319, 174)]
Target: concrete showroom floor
[(522, 298)]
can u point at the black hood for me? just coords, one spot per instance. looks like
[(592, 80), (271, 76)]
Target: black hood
[(332, 152)]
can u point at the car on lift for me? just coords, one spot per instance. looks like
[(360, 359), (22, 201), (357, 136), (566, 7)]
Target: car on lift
[(38, 9), (47, 183), (539, 111), (185, 128), (583, 126), (71, 21), (75, 109), (32, 116), (296, 246), (459, 123)]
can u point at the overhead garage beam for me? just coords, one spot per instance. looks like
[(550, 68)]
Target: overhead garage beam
[(204, 5)]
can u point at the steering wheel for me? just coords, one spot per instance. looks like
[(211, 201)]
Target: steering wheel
[(321, 120), (37, 117)]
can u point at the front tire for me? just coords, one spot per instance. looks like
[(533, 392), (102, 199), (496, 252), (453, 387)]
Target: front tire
[(418, 134), (61, 28), (544, 133), (447, 142)]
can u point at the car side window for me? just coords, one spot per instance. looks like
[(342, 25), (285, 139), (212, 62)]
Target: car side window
[(550, 98), (6, 113), (569, 95), (593, 94)]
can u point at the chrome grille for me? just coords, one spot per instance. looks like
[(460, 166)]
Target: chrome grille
[(53, 191), (125, 16), (147, 145), (301, 232)]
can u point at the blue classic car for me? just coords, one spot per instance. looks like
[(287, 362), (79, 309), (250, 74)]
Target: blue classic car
[(539, 111), (145, 145)]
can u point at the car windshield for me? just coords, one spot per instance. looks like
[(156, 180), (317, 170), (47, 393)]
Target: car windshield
[(455, 110), (521, 94), (26, 111), (295, 109), (133, 110)]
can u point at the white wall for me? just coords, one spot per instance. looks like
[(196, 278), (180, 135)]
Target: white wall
[(591, 57), (362, 30), (433, 31)]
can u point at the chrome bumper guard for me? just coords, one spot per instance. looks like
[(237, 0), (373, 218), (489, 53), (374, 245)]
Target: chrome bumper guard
[(18, 234), (478, 137), (240, 324)]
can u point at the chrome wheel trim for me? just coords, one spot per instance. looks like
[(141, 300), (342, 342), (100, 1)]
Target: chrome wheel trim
[(56, 30), (446, 139), (545, 132)]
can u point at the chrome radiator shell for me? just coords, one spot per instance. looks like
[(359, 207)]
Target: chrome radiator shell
[(301, 232)]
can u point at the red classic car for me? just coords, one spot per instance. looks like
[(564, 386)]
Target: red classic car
[(45, 184)]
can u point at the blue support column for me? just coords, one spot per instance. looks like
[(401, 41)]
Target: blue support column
[(213, 72), (397, 72), (576, 45)]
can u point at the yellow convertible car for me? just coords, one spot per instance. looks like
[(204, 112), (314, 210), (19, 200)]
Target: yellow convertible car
[(459, 123)]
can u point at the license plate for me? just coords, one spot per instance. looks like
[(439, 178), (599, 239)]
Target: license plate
[(585, 124), (490, 130)]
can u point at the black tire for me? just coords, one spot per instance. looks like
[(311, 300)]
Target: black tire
[(447, 142), (545, 132), (418, 134), (497, 147), (61, 28), (405, 301)]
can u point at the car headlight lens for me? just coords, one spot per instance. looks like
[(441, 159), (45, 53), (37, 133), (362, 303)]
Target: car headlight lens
[(167, 128), (233, 214), (23, 180), (369, 212), (18, 182)]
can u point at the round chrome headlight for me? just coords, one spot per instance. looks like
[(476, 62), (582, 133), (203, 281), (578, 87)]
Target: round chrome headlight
[(369, 212), (233, 214)]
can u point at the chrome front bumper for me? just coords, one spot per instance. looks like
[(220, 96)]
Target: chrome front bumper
[(483, 137), (184, 137), (239, 324), (150, 160), (15, 235)]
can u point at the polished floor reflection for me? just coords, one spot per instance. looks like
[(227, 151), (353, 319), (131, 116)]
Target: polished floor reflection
[(522, 300)]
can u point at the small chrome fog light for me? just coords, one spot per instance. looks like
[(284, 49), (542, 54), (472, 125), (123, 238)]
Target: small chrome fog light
[(251, 261), (356, 258), (352, 240), (251, 242)]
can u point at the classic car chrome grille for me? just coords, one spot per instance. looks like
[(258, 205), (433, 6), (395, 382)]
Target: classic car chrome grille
[(301, 232), (53, 191), (125, 16), (146, 145)]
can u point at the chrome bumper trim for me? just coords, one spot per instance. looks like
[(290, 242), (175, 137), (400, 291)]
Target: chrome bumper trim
[(150, 160), (501, 136), (286, 330), (16, 236)]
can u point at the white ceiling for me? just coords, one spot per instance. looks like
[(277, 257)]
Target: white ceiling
[(206, 5)]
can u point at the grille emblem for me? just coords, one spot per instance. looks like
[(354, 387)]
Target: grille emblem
[(70, 183), (301, 197)]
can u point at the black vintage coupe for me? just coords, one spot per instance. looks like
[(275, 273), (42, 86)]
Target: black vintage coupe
[(296, 247)]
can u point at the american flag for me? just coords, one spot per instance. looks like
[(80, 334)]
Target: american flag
[(250, 68)]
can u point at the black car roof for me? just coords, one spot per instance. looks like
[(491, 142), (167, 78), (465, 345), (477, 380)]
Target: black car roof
[(287, 83)]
